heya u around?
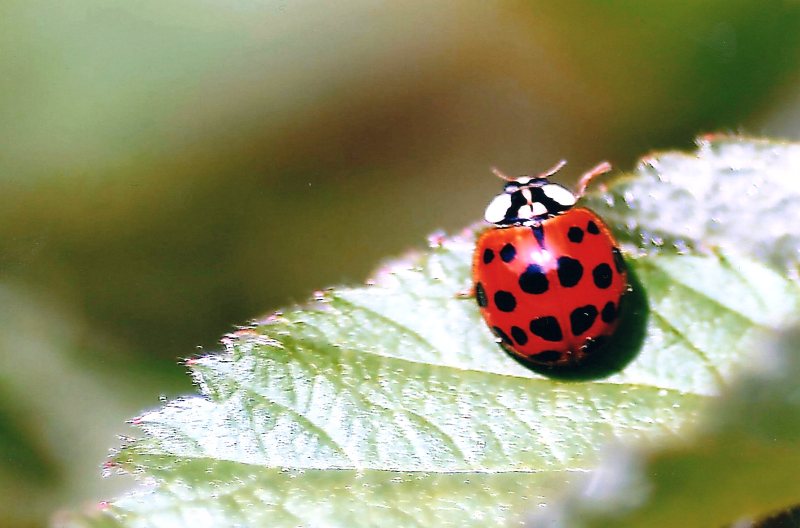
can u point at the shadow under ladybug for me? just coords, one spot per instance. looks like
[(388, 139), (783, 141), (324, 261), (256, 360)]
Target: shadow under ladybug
[(610, 354)]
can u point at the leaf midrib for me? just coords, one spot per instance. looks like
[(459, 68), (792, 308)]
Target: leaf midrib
[(159, 458)]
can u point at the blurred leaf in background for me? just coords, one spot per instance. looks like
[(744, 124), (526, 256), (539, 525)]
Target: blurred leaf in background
[(171, 168), (58, 410)]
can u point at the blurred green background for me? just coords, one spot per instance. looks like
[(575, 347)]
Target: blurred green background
[(170, 169)]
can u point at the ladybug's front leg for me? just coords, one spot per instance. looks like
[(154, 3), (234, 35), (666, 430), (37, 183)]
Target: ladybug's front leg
[(466, 293), (590, 175)]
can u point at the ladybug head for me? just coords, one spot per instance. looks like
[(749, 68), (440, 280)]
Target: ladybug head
[(529, 199)]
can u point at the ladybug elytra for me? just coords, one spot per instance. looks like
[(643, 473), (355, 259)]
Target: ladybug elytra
[(548, 276)]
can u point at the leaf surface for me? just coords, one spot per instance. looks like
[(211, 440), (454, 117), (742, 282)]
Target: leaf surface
[(742, 463), (391, 403)]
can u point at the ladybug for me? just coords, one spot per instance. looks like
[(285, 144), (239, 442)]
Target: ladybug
[(548, 276)]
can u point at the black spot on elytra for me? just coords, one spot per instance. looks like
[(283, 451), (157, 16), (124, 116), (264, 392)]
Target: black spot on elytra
[(488, 255), (582, 318), (547, 328), (502, 335), (519, 335), (575, 234), (548, 356), (480, 295), (619, 262), (602, 356), (570, 271), (538, 234), (602, 275), (505, 301), (508, 253), (533, 280), (609, 312), (592, 228)]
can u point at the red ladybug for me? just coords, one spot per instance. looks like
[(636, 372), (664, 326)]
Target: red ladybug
[(548, 276)]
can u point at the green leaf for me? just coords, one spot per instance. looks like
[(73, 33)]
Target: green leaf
[(734, 192), (391, 403), (742, 462)]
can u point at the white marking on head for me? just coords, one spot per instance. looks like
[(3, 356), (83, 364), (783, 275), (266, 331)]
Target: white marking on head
[(525, 212), (497, 209), (559, 194), (538, 209)]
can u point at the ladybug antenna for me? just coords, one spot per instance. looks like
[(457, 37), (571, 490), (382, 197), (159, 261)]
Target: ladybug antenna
[(500, 174), (590, 175), (554, 169)]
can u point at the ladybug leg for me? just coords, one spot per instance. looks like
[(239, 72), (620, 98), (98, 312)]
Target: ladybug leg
[(587, 178), (466, 293)]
